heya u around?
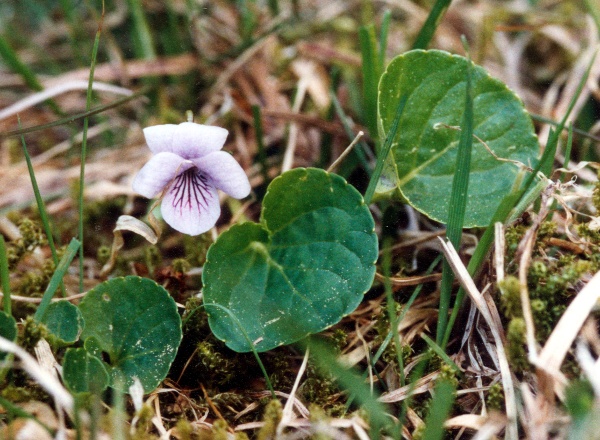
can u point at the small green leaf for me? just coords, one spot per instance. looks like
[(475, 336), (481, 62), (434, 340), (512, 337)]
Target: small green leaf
[(300, 271), (64, 321), (8, 329), (135, 322), (83, 372), (425, 147)]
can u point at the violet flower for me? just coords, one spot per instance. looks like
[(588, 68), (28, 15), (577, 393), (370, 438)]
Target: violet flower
[(188, 168)]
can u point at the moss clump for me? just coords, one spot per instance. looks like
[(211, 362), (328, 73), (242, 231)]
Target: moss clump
[(515, 336), (320, 389), (495, 397), (271, 419), (32, 332), (32, 237), (219, 369), (510, 301)]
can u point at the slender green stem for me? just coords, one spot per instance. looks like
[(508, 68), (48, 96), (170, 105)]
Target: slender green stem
[(385, 150), (241, 328), (75, 117), (4, 277), (88, 103)]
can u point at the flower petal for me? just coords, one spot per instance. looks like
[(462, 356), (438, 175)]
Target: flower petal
[(191, 205), (226, 174), (158, 172), (160, 137), (192, 140)]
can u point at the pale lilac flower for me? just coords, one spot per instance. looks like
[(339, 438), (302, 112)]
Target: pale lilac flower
[(188, 168)]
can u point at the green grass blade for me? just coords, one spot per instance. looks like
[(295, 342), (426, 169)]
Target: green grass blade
[(12, 60), (88, 104), (323, 356), (431, 24), (480, 253), (440, 352), (13, 410), (391, 311), (441, 404), (383, 39), (4, 277), (10, 57), (385, 150), (552, 122), (40, 205), (143, 37), (57, 276), (371, 74), (262, 153), (457, 206), (39, 201)]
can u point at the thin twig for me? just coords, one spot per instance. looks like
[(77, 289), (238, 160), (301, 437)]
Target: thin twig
[(345, 153)]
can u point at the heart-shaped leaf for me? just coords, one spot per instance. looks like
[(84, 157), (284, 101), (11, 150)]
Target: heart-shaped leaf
[(300, 271), (135, 322), (423, 154), (64, 321), (83, 372)]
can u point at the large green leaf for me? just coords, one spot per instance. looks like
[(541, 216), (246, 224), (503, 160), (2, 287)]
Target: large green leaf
[(423, 155), (135, 322), (300, 271)]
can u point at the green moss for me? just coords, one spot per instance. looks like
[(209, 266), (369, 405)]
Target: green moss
[(271, 419), (196, 248), (515, 336), (32, 332), (180, 266), (510, 301), (144, 422), (184, 429), (32, 237), (219, 430), (16, 394), (495, 397), (218, 368), (103, 255), (318, 389)]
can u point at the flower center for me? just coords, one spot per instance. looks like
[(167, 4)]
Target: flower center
[(190, 189)]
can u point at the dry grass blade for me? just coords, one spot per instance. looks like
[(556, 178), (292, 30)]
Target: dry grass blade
[(41, 375), (467, 283), (562, 337)]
